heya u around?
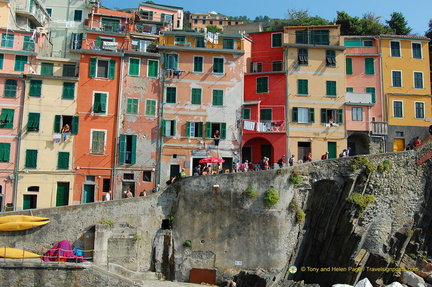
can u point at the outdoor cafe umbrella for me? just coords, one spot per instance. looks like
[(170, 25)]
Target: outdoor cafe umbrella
[(211, 159)]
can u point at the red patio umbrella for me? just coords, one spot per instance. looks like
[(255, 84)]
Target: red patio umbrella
[(211, 159)]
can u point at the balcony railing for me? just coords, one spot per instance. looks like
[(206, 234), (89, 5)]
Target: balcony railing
[(379, 128), (264, 126)]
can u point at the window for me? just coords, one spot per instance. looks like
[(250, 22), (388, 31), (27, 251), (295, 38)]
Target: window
[(47, 69), (106, 185), (7, 40), (397, 79), (277, 66), (97, 142), (78, 15), (330, 58), (100, 103), (318, 37), (33, 122), (419, 110), (146, 15), (29, 201), (371, 90), (28, 44), (303, 58), (168, 128), (153, 69), (199, 42), (63, 160), (68, 91), (218, 65), (416, 50), (349, 66), (418, 80), (102, 68), (20, 62), (69, 70), (5, 152), (217, 98), (262, 84), (211, 128), (6, 118), (357, 114), (194, 129), (302, 87), (350, 89), (246, 114), (335, 114), (395, 49), (256, 67), (303, 115), (1, 61), (127, 149), (331, 88), (266, 115), (397, 109), (369, 66), (367, 43), (132, 106), (198, 64), (150, 108), (49, 11), (147, 174), (180, 40), (33, 188), (10, 88), (276, 40), (134, 66), (31, 158), (228, 43), (171, 95), (196, 96), (60, 121), (171, 61)]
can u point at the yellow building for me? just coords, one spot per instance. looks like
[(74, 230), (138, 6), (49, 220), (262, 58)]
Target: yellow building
[(406, 89), (46, 174), (315, 65)]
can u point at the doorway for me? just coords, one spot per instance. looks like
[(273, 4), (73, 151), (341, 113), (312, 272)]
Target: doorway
[(331, 148), (174, 170), (303, 149), (62, 197), (89, 193)]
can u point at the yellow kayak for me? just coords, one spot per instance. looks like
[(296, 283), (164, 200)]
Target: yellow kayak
[(17, 253), (16, 226), (21, 218)]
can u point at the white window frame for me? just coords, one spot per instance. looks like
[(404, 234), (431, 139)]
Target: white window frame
[(223, 66), (414, 73), (415, 110), (107, 103), (393, 109), (401, 86), (91, 140), (356, 116), (300, 116)]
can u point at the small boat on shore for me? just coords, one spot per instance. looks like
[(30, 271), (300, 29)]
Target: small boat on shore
[(17, 253)]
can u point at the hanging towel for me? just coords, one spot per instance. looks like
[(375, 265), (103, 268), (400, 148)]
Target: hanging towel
[(261, 127), (56, 138), (247, 125)]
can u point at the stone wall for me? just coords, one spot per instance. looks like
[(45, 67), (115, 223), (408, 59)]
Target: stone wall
[(230, 231)]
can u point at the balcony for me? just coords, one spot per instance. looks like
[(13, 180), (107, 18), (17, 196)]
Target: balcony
[(379, 128), (264, 126)]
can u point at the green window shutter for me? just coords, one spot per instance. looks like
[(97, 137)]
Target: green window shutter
[(171, 95), (150, 107), (63, 160), (311, 115), (372, 91), (324, 116), (31, 158), (302, 87), (218, 65), (75, 123), (122, 149), (47, 69), (198, 64), (340, 116), (33, 122), (349, 66), (92, 71), (217, 98), (111, 69), (350, 89), (295, 114), (153, 68), (223, 131), (175, 61), (196, 96), (266, 114), (68, 90), (134, 65), (208, 130), (133, 148), (10, 88), (4, 152), (132, 106), (20, 62), (103, 103), (100, 103), (262, 84), (57, 123), (35, 88), (164, 127), (246, 114), (331, 88), (199, 127), (369, 66), (188, 124), (1, 61)]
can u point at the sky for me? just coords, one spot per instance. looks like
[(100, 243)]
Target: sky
[(417, 16)]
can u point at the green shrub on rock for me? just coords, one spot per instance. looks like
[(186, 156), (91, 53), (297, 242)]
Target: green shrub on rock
[(251, 192), (361, 201), (300, 216), (271, 197)]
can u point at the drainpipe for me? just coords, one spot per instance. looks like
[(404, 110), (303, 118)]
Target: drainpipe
[(287, 144), (119, 98), (159, 141), (23, 78), (384, 109)]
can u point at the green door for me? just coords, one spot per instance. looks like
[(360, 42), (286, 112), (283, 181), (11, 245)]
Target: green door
[(88, 195), (62, 193), (29, 201), (331, 148)]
